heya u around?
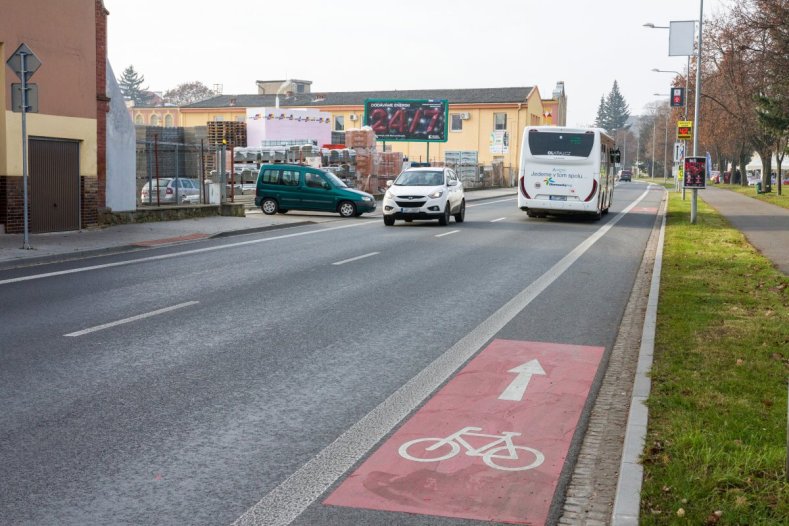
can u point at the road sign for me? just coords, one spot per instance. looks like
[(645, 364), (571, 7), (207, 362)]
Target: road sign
[(31, 62), (32, 98), (677, 97), (679, 151), (684, 129)]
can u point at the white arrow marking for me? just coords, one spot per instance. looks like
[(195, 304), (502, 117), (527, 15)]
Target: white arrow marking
[(515, 390)]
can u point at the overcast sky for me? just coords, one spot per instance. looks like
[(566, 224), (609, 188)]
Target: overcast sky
[(355, 45)]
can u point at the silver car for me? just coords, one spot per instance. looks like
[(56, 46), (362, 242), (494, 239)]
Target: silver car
[(188, 191)]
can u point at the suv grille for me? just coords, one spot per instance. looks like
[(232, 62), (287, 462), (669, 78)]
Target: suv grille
[(411, 204)]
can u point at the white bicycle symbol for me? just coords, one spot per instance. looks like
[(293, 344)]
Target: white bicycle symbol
[(490, 452)]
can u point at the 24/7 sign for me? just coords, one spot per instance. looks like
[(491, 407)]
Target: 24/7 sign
[(684, 129), (407, 120)]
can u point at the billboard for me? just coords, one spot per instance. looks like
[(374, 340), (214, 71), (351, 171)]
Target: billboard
[(407, 120), (284, 124), (695, 173), (681, 38)]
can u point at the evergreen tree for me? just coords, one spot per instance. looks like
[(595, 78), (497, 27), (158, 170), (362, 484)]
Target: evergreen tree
[(130, 84), (613, 112), (600, 120), (617, 109)]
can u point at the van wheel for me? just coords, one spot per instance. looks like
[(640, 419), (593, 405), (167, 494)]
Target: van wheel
[(347, 209), (444, 219), (461, 215), (389, 220), (269, 206)]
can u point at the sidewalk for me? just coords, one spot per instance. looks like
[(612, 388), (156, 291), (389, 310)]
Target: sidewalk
[(765, 226), (65, 245)]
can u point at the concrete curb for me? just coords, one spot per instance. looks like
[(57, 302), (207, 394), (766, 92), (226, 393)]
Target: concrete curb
[(627, 502)]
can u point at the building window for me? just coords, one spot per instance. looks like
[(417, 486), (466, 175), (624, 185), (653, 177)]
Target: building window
[(168, 121), (154, 120), (499, 121), (218, 118), (138, 120), (456, 122), (240, 118), (299, 88), (339, 123)]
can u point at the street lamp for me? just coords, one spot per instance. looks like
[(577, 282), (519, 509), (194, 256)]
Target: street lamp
[(665, 146), (696, 124)]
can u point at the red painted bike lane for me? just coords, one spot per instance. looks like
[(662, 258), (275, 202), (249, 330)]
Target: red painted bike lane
[(490, 445)]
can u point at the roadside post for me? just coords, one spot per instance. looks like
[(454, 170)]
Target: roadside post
[(24, 98)]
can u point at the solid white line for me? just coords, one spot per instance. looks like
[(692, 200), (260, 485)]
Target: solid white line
[(491, 202), (499, 219), (447, 233), (133, 318), (356, 258), (288, 500), (177, 254)]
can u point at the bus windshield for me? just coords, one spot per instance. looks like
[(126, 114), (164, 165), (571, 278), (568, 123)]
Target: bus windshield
[(561, 144)]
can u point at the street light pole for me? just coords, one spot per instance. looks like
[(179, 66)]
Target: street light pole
[(695, 191), (654, 121)]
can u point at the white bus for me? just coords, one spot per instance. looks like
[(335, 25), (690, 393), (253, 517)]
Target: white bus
[(566, 171)]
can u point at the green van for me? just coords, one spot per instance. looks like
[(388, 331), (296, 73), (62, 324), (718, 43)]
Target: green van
[(283, 187)]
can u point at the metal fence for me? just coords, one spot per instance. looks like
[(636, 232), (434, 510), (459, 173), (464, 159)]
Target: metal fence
[(496, 175)]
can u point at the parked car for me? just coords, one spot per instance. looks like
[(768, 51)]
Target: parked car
[(283, 187), (188, 190), (625, 175), (425, 193)]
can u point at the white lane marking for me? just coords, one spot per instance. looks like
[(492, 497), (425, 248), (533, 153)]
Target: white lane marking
[(499, 219), (296, 493), (176, 254), (448, 233), (133, 318), (492, 202), (356, 258)]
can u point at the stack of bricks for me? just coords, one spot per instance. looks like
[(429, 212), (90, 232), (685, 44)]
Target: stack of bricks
[(362, 141), (391, 164)]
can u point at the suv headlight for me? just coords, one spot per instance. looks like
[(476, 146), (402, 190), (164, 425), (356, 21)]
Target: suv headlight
[(436, 194), (389, 195)]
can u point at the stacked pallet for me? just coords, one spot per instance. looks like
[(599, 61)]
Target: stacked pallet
[(390, 165), (232, 133), (362, 141)]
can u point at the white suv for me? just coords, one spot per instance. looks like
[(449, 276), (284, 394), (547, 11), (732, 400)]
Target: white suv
[(425, 193)]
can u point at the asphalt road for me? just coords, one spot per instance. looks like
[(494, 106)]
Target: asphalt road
[(240, 360)]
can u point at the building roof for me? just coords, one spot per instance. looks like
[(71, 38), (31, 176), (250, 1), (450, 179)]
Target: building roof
[(357, 98)]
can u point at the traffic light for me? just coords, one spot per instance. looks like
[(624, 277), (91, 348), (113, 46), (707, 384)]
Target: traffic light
[(677, 97)]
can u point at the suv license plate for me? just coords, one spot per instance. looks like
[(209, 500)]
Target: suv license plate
[(558, 198), (409, 210)]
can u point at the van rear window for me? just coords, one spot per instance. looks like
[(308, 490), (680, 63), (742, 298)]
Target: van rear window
[(561, 144)]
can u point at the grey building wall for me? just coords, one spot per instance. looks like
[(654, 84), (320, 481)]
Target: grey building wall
[(121, 187)]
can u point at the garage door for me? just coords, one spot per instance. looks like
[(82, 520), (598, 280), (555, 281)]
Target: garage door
[(54, 185)]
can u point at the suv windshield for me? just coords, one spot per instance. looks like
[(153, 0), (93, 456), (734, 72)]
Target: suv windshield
[(420, 178)]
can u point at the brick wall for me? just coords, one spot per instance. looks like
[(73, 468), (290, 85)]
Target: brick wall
[(12, 200), (89, 199), (102, 103)]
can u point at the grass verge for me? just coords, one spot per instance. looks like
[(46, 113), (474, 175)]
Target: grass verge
[(773, 197), (716, 442)]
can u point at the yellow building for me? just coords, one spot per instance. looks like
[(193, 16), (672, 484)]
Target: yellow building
[(489, 121)]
